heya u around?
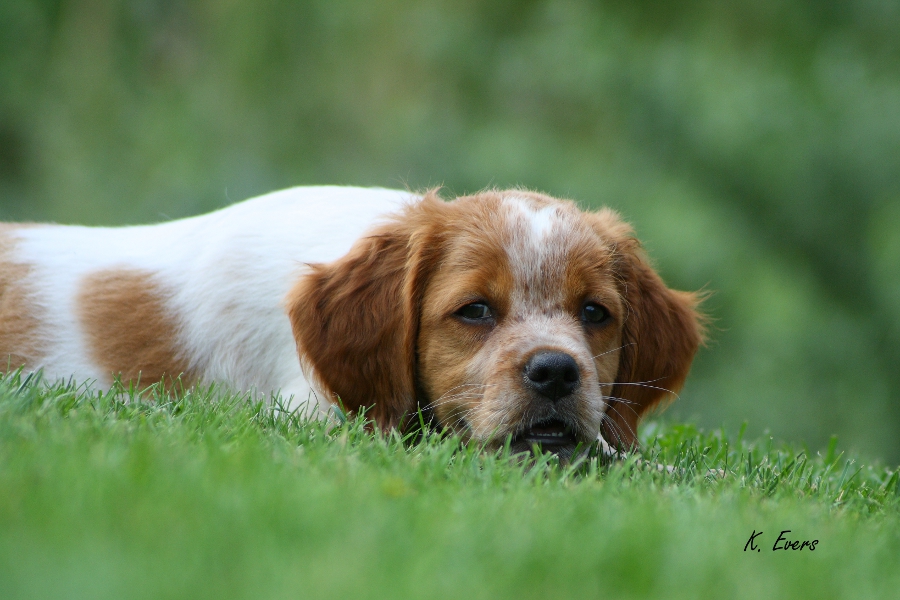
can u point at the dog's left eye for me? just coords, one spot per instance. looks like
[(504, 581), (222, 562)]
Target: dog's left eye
[(477, 311), (594, 313)]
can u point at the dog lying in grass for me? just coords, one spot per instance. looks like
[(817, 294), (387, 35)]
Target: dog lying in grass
[(505, 316)]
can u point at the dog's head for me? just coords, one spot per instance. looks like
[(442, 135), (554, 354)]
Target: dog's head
[(504, 315)]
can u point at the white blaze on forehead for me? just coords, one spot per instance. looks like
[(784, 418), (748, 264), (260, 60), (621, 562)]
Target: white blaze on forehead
[(540, 220), (537, 247)]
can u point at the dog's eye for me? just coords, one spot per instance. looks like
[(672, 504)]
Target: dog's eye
[(594, 313), (477, 311)]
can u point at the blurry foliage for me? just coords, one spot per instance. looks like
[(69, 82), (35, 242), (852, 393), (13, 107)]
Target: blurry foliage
[(755, 146)]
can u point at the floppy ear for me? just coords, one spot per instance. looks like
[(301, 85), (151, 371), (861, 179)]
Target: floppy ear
[(660, 335), (356, 320)]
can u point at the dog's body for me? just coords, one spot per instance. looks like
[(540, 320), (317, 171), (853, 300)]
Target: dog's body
[(393, 301), (203, 297)]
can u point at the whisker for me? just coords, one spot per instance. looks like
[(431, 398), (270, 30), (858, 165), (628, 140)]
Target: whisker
[(448, 393), (483, 385), (445, 399), (619, 399), (609, 450), (456, 397), (614, 428), (631, 382), (629, 405), (495, 413), (644, 384), (630, 430), (462, 416), (465, 385), (613, 350)]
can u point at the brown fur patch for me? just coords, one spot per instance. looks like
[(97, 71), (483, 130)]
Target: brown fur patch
[(20, 343), (130, 332), (356, 319), (473, 267)]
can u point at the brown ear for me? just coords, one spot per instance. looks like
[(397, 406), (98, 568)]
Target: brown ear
[(356, 320), (661, 334)]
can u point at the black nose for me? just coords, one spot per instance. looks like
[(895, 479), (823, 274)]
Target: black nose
[(552, 374)]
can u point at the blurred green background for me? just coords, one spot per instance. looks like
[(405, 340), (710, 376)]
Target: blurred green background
[(754, 145)]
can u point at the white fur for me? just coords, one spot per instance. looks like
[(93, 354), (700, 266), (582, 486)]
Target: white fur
[(230, 271), (537, 253), (539, 242)]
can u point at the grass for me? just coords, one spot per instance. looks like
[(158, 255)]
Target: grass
[(107, 495)]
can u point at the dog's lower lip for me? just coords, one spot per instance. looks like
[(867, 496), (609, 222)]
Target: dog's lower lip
[(549, 433)]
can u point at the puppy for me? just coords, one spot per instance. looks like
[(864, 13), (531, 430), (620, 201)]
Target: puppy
[(506, 315)]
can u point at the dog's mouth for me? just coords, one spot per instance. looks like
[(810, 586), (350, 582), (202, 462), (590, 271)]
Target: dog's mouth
[(551, 435)]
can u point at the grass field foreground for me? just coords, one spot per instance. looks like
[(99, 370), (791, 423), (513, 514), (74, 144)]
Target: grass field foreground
[(107, 495)]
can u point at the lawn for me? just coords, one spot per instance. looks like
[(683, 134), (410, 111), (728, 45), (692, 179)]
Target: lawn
[(204, 495)]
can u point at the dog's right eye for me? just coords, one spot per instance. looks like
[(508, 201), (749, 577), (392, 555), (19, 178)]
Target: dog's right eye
[(477, 311)]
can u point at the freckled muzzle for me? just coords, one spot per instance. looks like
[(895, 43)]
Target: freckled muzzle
[(550, 405), (552, 376), (541, 390)]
